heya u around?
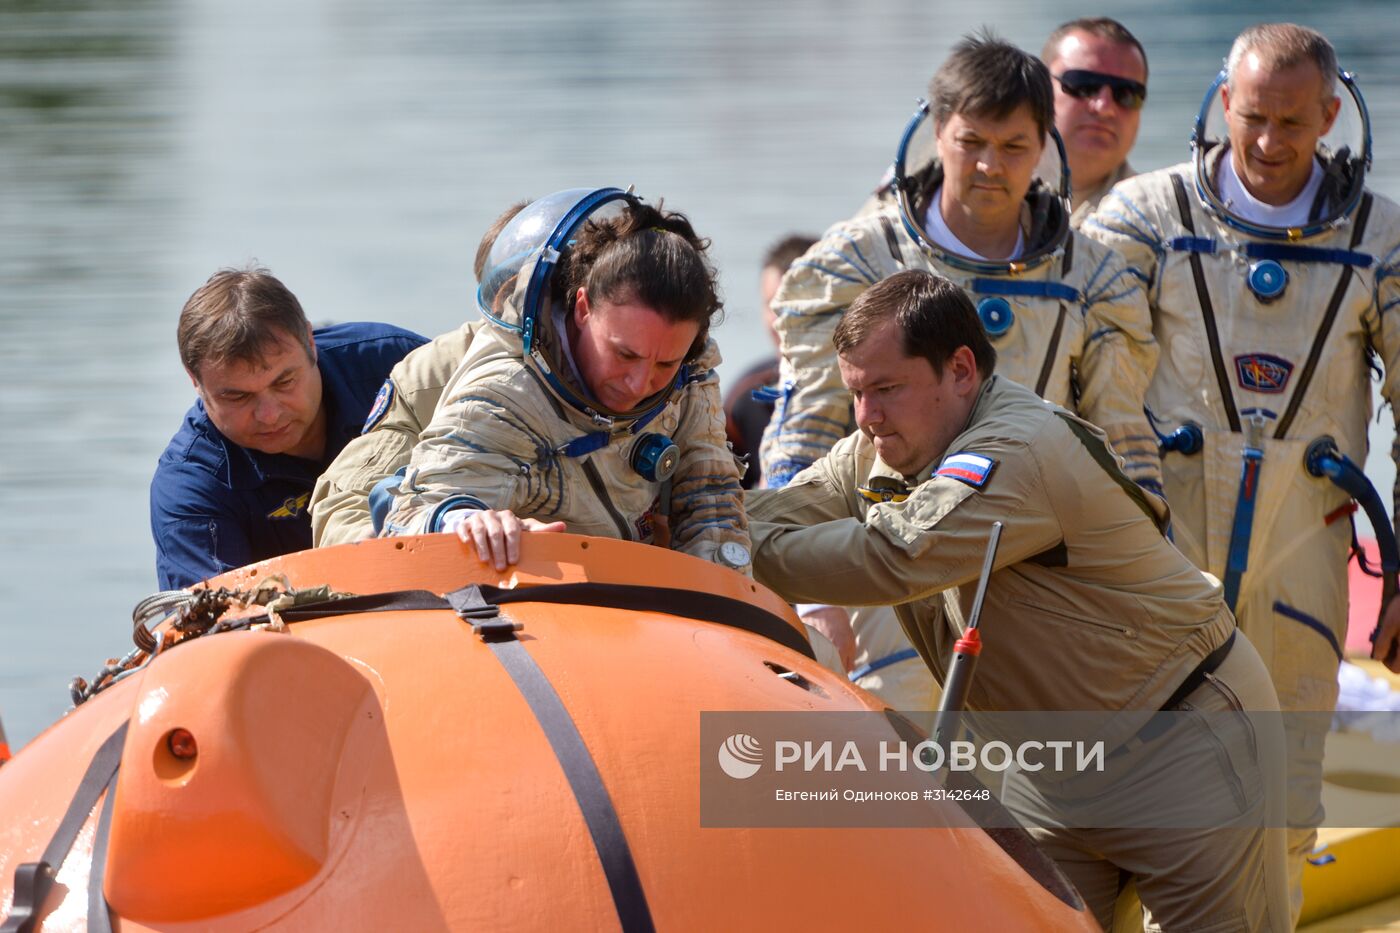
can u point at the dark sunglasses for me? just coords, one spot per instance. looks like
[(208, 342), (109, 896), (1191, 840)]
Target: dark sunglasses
[(1130, 95)]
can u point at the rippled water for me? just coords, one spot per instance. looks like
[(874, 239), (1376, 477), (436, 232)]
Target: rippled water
[(359, 149)]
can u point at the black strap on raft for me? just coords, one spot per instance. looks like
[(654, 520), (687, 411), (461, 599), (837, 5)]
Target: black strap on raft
[(1300, 387), (99, 913), (473, 604), (33, 880), (687, 604), (1322, 458), (1222, 377)]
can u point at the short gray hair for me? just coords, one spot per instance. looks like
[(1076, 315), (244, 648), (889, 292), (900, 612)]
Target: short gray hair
[(1283, 45), (1102, 26)]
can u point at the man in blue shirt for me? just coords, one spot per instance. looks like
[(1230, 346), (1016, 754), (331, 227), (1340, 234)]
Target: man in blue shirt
[(277, 402)]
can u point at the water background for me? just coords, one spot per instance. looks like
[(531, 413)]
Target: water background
[(359, 149)]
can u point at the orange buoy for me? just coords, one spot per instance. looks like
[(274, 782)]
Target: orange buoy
[(486, 764)]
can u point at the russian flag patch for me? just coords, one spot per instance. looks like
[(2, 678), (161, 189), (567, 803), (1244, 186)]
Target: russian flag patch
[(973, 469)]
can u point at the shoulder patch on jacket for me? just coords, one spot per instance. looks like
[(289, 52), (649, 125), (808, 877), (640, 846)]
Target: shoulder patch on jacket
[(972, 469), (380, 408)]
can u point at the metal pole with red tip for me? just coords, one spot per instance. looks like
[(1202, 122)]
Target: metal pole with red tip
[(965, 652)]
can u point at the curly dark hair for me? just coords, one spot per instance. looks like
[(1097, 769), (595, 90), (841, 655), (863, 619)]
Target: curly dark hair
[(647, 255)]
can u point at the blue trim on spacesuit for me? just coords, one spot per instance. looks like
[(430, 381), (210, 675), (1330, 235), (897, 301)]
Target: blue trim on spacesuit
[(1024, 289), (1297, 615)]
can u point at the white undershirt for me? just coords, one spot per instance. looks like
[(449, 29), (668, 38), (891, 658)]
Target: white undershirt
[(938, 232), (1245, 205), (561, 331)]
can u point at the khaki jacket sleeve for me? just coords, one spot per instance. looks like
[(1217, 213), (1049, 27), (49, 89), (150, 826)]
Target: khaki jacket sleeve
[(814, 411), (909, 550), (707, 506), (815, 495), (1117, 363), (340, 502), (479, 452)]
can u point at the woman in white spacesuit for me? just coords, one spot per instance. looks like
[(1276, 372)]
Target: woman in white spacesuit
[(590, 402)]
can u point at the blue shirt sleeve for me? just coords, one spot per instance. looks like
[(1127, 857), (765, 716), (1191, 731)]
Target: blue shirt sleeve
[(196, 535)]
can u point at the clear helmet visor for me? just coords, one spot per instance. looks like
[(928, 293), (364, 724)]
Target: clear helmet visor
[(1344, 153), (526, 252), (917, 172)]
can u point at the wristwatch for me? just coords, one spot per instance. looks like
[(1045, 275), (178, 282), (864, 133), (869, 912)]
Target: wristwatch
[(733, 554)]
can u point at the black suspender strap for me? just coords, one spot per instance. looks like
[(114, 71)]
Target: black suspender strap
[(891, 240), (1051, 352), (609, 841), (1222, 376), (34, 879), (590, 471), (1048, 367), (1300, 388), (600, 489)]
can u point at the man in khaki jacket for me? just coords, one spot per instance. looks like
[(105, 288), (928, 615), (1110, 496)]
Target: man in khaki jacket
[(1089, 607)]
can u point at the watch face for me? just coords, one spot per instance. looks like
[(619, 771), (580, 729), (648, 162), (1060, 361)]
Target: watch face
[(734, 554)]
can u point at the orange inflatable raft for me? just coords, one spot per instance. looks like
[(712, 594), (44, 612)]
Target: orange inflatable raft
[(524, 758)]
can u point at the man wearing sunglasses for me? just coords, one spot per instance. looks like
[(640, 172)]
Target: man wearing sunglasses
[(1100, 72)]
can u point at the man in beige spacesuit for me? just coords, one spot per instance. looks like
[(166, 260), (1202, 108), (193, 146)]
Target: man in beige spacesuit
[(1088, 606), (590, 397), (1066, 317), (1270, 271)]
